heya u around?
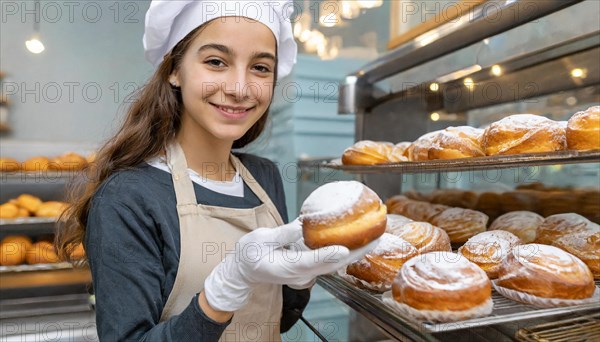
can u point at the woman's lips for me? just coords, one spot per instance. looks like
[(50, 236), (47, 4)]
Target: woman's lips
[(232, 112)]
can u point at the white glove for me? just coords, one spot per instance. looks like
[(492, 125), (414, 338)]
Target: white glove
[(260, 257)]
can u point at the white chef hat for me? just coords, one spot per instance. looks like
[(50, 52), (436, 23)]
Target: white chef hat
[(168, 22)]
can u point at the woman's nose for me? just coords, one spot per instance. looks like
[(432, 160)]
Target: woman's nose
[(236, 85)]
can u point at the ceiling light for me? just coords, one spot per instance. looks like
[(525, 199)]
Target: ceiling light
[(496, 70), (579, 73), (434, 86), (434, 116)]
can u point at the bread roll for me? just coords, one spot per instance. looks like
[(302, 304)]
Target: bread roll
[(455, 198), (523, 133), (489, 203), (13, 249), (41, 252), (68, 162), (78, 252), (520, 200), (585, 246), (556, 226), (523, 224), (487, 250), (441, 281), (51, 209), (9, 165), (557, 202), (547, 272), (36, 164), (583, 130), (29, 202), (450, 143), (424, 236), (342, 213), (367, 152), (461, 224), (381, 265), (9, 211)]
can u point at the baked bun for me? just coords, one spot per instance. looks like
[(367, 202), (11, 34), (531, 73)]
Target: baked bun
[(78, 252), (367, 152), (29, 202), (381, 265), (68, 162), (450, 143), (9, 211), (441, 281), (528, 200), (395, 222), (455, 198), (13, 249), (461, 224), (342, 213), (487, 250), (425, 237), (9, 165), (523, 224), (556, 226), (583, 130), (415, 210), (51, 209), (489, 203), (36, 164), (585, 246), (547, 272), (41, 252), (523, 133)]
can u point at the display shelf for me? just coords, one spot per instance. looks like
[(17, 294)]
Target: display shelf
[(396, 325), (584, 328), (46, 305), (28, 226), (36, 267), (473, 164), (44, 278)]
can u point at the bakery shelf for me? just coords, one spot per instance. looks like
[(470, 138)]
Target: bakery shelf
[(473, 164), (584, 328), (46, 305), (28, 225), (399, 326), (36, 267)]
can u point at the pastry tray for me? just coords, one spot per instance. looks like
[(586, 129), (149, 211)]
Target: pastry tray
[(28, 225), (35, 268), (472, 164), (399, 326)]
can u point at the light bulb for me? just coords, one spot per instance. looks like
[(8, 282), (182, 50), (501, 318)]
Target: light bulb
[(434, 86), (496, 70), (434, 116), (369, 3), (34, 45), (469, 83), (579, 73)]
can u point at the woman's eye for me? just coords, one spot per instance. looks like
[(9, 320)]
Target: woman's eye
[(215, 63), (262, 68)]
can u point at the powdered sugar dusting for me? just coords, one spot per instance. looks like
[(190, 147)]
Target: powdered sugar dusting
[(442, 270), (493, 244), (392, 243), (332, 200), (548, 258)]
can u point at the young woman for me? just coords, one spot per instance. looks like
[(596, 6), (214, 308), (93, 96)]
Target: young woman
[(171, 218)]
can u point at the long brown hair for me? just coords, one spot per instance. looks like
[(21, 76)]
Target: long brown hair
[(150, 124)]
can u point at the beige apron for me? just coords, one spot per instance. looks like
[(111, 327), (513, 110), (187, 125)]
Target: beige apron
[(208, 233)]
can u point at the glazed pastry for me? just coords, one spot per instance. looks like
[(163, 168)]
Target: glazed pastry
[(9, 211), (51, 209), (547, 272), (487, 250), (36, 164), (583, 130), (41, 252), (523, 133), (381, 265), (367, 152), (450, 143), (455, 198), (523, 224), (556, 226), (395, 222), (461, 224), (9, 165), (424, 236), (442, 281), (29, 202), (68, 162), (585, 246), (342, 213)]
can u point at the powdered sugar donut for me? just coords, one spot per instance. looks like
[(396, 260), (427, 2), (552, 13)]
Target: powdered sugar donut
[(345, 213)]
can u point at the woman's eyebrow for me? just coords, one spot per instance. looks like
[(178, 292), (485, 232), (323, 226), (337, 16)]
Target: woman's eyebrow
[(260, 55), (226, 50)]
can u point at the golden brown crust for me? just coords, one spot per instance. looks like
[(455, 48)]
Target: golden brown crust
[(424, 236), (487, 250), (520, 200), (523, 133), (585, 246), (415, 210), (51, 209), (367, 152), (442, 281), (36, 164), (9, 165), (547, 272), (450, 143), (354, 227), (489, 203), (29, 202), (381, 265), (41, 252), (68, 162), (523, 224), (455, 198), (556, 226), (461, 224), (9, 211), (583, 130)]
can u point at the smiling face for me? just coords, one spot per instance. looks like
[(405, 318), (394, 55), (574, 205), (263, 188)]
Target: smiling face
[(226, 78)]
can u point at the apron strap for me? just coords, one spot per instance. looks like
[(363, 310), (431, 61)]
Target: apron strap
[(256, 188), (184, 189)]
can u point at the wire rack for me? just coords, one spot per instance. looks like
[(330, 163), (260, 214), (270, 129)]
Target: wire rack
[(505, 310), (579, 329), (471, 164)]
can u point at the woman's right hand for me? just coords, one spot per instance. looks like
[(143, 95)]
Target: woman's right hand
[(272, 255)]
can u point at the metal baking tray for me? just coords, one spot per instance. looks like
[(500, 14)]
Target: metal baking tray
[(35, 268), (28, 226), (370, 305), (583, 328), (471, 164)]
